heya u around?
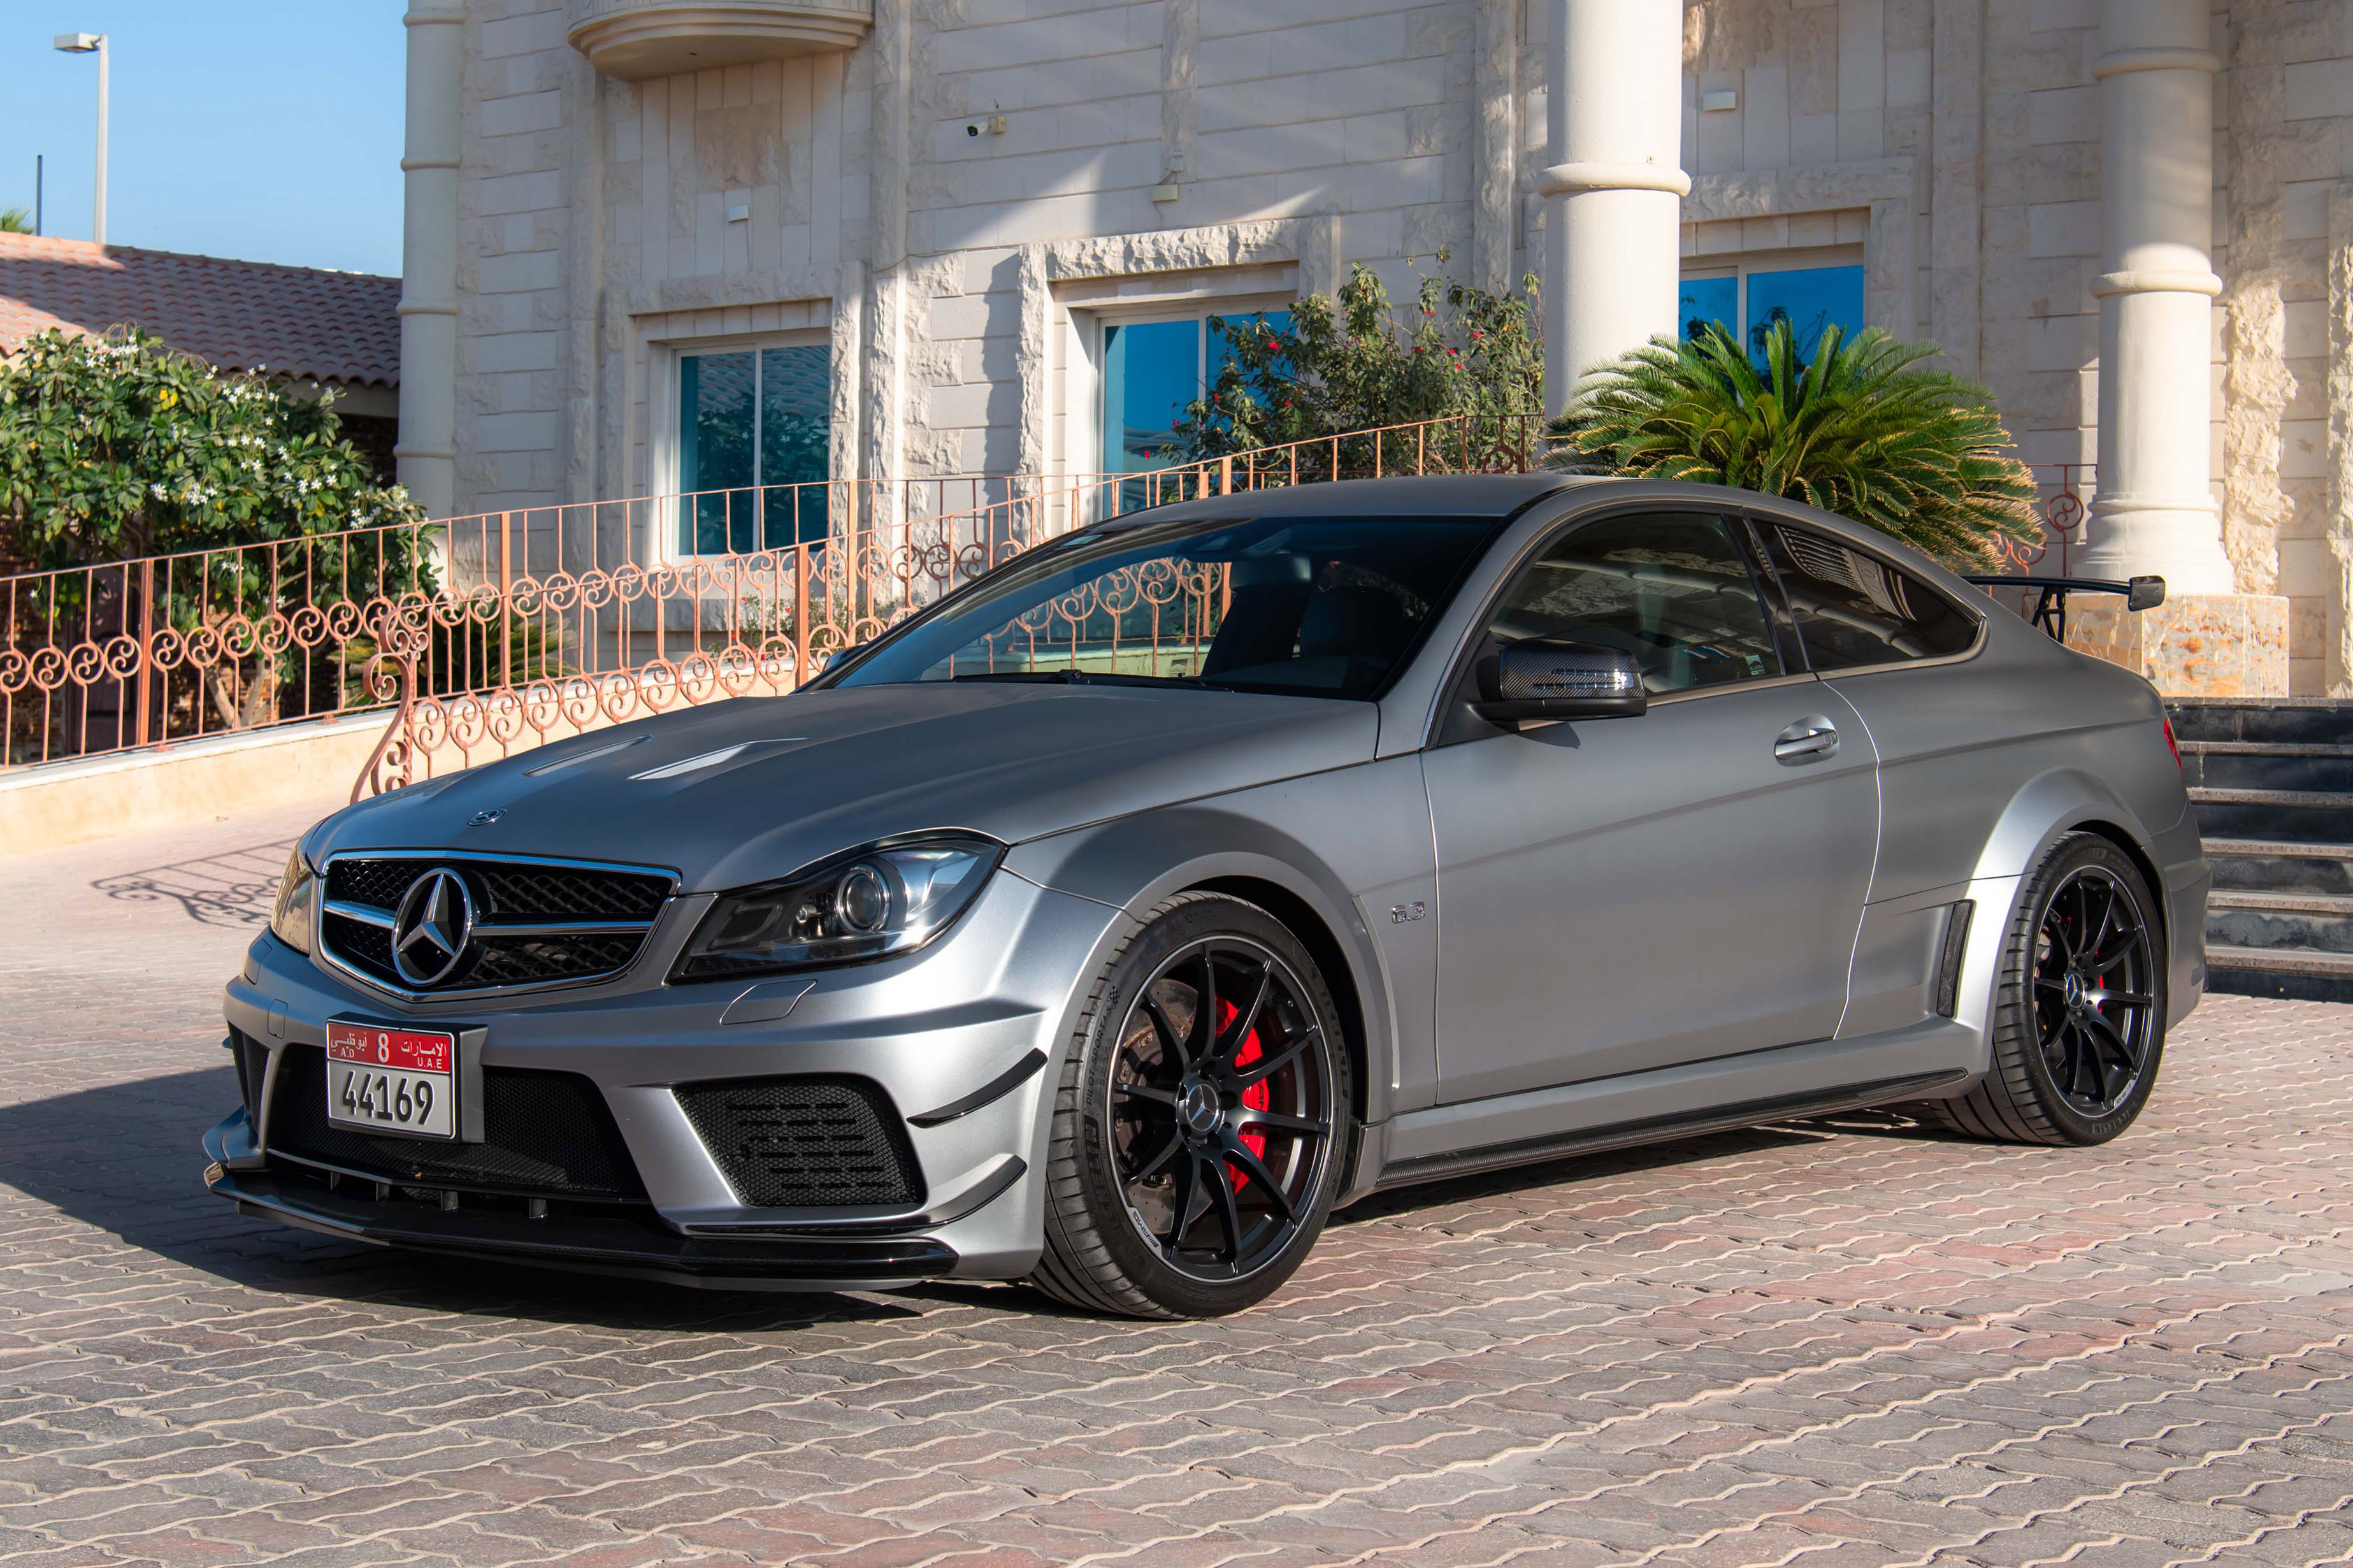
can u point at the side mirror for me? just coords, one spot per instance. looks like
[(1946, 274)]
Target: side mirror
[(2144, 592), (841, 656), (1541, 679)]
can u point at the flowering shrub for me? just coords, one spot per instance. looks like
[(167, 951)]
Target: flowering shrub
[(1353, 364), (119, 447)]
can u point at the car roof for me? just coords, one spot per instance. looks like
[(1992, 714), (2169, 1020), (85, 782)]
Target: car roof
[(1443, 495)]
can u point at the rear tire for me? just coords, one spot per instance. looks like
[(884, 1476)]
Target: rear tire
[(1195, 1150), (2079, 1021)]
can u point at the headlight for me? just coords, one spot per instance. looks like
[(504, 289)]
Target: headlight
[(298, 892), (869, 904)]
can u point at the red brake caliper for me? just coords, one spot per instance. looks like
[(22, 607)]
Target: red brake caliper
[(1257, 1096)]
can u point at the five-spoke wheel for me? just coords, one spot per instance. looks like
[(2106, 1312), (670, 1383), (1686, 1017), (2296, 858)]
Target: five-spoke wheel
[(1221, 1111), (1203, 1119), (2094, 989), (2079, 1020)]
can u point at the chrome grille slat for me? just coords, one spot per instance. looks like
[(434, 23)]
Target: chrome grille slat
[(538, 923)]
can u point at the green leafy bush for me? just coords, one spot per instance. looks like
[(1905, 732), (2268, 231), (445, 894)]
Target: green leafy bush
[(1350, 365), (1861, 431), (119, 448)]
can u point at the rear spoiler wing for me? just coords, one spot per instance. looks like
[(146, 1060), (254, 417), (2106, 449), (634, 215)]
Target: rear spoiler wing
[(2051, 597)]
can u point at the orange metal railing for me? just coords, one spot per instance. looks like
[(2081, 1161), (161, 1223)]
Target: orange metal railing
[(487, 634)]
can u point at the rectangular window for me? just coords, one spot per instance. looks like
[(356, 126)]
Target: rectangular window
[(755, 427), (1746, 298), (1152, 371)]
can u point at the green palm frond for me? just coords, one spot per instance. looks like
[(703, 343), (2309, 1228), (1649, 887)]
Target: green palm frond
[(1860, 430)]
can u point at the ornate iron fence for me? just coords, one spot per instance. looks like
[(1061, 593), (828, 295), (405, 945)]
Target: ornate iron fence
[(488, 634), (682, 632)]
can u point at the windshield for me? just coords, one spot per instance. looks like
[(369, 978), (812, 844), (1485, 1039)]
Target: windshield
[(1312, 606)]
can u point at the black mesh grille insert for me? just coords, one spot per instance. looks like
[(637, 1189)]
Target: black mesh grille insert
[(544, 1133), (522, 892), (787, 1142), (508, 891)]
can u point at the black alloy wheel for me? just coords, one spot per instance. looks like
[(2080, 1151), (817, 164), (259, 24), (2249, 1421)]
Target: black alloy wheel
[(2078, 1022), (2095, 989), (1219, 1111), (1204, 1120)]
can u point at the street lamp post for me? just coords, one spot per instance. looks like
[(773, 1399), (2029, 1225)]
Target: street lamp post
[(94, 44)]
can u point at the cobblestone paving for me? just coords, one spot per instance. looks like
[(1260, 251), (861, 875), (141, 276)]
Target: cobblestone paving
[(1852, 1344)]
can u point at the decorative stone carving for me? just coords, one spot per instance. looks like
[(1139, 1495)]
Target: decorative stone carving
[(635, 39)]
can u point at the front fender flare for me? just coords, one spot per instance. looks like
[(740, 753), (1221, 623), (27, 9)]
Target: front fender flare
[(1138, 862)]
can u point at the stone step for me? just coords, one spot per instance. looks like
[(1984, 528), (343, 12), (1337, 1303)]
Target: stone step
[(2262, 972), (2277, 926), (2263, 865), (2259, 764), (2300, 720), (2334, 904), (2301, 817)]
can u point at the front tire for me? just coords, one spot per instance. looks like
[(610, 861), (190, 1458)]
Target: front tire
[(1202, 1122), (2079, 1026)]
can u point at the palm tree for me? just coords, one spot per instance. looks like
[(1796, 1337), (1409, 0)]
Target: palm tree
[(16, 220), (1860, 431)]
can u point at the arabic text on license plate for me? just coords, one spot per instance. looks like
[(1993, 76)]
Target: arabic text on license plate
[(392, 1081)]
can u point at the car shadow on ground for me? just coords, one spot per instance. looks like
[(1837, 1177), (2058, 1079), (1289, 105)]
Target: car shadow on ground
[(126, 1160), (236, 888)]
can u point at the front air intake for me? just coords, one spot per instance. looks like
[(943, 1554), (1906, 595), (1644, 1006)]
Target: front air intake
[(805, 1141)]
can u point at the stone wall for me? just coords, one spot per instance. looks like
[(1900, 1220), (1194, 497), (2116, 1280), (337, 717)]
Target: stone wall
[(1952, 144)]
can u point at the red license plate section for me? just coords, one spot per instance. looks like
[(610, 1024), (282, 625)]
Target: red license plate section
[(383, 1079)]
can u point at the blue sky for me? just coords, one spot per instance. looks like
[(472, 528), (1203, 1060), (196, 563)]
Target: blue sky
[(266, 130)]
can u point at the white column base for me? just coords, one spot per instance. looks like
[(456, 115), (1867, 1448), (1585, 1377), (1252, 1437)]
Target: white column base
[(2182, 543)]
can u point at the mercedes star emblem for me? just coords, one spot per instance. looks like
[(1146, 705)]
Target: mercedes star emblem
[(429, 930)]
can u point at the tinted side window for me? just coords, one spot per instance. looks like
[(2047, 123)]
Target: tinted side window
[(1671, 588), (1852, 609)]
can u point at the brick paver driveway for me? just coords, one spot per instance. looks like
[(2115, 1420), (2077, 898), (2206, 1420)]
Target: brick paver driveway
[(1852, 1344)]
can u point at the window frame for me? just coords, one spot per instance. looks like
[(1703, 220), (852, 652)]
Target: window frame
[(1755, 516), (1740, 265), (1448, 725), (1197, 309), (666, 451)]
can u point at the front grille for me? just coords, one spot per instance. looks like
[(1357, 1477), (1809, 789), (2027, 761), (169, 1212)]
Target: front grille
[(518, 892), (530, 961), (542, 1133), (509, 899), (787, 1142)]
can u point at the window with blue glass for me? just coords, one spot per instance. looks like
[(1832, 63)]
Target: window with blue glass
[(1152, 371), (1746, 300), (755, 434)]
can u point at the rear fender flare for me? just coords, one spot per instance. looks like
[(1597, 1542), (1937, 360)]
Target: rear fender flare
[(2045, 809)]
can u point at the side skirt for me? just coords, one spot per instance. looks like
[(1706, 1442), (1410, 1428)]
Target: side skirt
[(1659, 1128)]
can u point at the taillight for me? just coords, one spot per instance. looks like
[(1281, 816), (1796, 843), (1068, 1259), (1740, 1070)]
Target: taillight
[(2170, 743)]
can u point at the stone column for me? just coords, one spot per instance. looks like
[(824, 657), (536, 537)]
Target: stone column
[(427, 453), (1614, 192), (2155, 510)]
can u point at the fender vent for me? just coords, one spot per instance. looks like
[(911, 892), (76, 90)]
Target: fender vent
[(1956, 946)]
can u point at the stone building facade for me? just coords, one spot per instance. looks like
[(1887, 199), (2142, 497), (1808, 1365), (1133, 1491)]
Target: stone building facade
[(919, 232)]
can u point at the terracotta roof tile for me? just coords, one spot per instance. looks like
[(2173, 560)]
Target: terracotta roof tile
[(238, 315)]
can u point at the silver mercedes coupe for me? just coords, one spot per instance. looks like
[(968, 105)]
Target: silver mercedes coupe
[(1112, 921)]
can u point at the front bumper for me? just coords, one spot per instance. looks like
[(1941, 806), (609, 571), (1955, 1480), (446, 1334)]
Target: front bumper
[(622, 1241), (955, 1039)]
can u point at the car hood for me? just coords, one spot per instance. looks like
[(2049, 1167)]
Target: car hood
[(759, 787)]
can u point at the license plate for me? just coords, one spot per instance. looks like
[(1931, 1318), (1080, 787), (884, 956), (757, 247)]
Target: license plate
[(392, 1081)]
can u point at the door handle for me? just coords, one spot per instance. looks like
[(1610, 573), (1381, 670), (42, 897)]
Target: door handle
[(1810, 737)]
